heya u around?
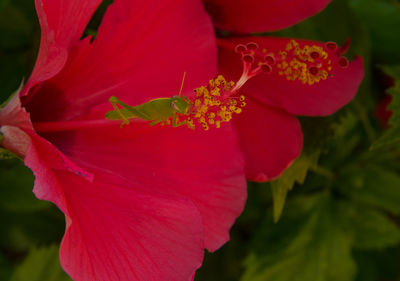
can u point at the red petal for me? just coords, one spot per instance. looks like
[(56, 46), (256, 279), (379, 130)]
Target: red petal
[(261, 15), (269, 138), (141, 52), (205, 167), (44, 159), (124, 233), (322, 98), (117, 230), (62, 23)]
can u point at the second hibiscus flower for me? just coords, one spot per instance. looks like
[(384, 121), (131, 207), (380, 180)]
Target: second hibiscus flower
[(305, 78)]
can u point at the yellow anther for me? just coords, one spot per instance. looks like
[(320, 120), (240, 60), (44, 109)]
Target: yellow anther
[(308, 64), (205, 126), (238, 110), (243, 104), (215, 92), (213, 104), (211, 115)]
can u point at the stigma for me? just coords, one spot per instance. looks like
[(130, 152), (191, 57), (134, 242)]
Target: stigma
[(302, 62)]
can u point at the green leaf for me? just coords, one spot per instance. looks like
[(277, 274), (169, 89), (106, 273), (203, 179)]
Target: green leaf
[(315, 238), (392, 135), (371, 228), (297, 172), (372, 184), (307, 244), (42, 264)]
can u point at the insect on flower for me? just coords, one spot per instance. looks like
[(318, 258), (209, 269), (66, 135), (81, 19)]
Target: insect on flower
[(156, 110), (219, 100), (211, 104)]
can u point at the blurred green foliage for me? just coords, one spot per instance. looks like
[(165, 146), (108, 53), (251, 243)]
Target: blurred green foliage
[(41, 264), (333, 216), (392, 136)]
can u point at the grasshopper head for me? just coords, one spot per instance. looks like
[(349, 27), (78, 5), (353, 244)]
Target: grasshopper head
[(180, 104)]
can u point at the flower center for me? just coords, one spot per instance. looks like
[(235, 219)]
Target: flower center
[(214, 104), (219, 100)]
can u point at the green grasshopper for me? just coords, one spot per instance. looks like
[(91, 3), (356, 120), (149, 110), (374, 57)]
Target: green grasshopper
[(156, 110)]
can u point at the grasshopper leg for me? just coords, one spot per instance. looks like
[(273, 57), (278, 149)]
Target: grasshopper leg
[(176, 123), (114, 101), (155, 122)]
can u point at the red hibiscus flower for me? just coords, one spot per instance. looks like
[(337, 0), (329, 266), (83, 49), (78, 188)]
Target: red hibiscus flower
[(141, 202), (304, 78)]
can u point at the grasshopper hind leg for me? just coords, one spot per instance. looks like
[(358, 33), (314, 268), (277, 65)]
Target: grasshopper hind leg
[(176, 123), (114, 101), (118, 113)]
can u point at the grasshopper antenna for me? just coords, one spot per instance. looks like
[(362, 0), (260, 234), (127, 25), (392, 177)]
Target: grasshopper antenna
[(183, 81)]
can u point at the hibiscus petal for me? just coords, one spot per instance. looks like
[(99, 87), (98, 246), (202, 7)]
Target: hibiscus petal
[(261, 15), (269, 138), (62, 23), (44, 159), (141, 52), (205, 167), (322, 98), (117, 233)]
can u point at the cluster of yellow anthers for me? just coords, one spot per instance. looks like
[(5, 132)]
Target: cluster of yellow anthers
[(213, 104), (309, 64)]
